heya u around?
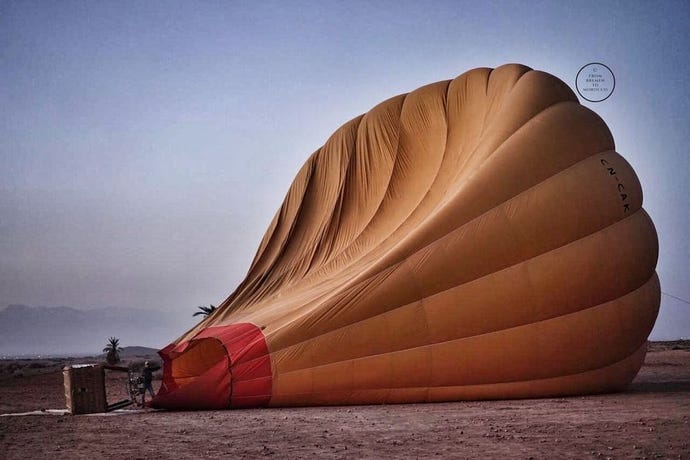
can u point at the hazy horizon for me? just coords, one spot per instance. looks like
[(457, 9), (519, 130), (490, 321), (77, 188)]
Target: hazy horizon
[(144, 147)]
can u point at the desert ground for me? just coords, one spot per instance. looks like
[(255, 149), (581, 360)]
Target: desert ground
[(651, 419)]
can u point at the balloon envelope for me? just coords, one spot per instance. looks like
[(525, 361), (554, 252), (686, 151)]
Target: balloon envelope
[(476, 238)]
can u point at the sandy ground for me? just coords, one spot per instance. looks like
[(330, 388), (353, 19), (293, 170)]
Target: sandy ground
[(649, 420)]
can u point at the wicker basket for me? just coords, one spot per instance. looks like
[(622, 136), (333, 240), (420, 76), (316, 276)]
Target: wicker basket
[(85, 388)]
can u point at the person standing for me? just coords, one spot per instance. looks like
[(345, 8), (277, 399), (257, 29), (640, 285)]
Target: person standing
[(147, 377)]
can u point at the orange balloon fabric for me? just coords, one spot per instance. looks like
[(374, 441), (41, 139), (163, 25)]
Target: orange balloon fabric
[(477, 238)]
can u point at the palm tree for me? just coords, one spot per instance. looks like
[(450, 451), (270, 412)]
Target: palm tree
[(112, 351), (205, 311)]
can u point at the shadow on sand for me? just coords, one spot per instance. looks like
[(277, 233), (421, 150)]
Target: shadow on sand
[(660, 387)]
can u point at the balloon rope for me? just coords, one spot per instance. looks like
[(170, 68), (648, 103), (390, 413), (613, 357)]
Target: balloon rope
[(677, 298)]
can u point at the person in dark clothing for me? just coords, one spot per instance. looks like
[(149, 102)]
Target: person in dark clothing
[(147, 377)]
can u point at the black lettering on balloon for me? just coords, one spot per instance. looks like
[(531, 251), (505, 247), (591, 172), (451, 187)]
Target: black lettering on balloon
[(619, 185)]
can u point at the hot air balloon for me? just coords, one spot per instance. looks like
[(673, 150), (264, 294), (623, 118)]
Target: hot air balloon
[(477, 238)]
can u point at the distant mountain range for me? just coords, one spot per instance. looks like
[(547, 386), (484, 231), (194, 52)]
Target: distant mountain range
[(67, 331)]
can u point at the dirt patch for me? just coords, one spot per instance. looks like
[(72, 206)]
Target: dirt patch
[(649, 420)]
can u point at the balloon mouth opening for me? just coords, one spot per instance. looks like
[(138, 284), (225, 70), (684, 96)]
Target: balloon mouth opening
[(189, 373), (221, 367), (195, 361)]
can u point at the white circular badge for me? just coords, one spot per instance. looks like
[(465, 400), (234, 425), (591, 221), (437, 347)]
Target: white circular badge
[(595, 82)]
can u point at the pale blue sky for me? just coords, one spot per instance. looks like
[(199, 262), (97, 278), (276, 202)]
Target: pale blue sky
[(145, 146)]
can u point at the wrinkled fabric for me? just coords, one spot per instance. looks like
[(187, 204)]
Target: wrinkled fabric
[(476, 238)]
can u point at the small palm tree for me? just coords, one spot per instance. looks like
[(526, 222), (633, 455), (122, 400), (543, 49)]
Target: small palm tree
[(205, 311), (112, 351)]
